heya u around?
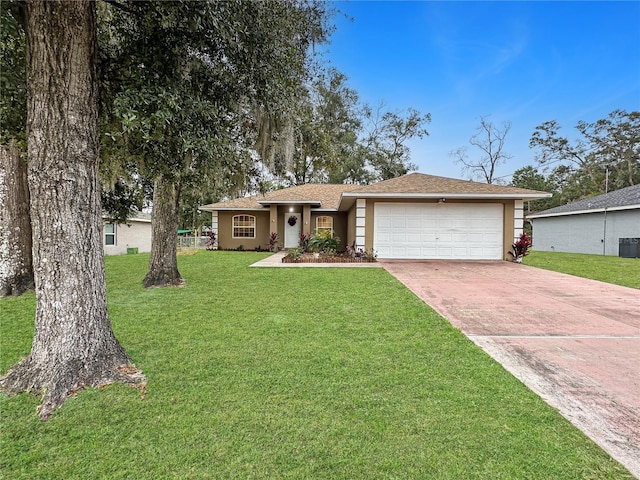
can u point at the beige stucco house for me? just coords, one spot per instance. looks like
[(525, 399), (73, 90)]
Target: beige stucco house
[(118, 238), (415, 216)]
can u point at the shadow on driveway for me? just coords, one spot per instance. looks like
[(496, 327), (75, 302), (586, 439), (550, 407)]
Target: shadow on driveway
[(573, 341)]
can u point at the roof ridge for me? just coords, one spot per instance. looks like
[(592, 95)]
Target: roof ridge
[(622, 197)]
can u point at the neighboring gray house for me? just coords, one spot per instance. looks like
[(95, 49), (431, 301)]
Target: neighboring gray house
[(608, 224)]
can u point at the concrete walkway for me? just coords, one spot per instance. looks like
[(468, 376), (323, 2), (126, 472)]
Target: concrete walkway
[(573, 341)]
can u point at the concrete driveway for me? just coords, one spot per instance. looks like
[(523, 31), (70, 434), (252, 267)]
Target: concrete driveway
[(573, 341)]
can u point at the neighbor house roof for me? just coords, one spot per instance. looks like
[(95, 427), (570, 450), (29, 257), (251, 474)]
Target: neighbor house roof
[(413, 185), (624, 199), (142, 217)]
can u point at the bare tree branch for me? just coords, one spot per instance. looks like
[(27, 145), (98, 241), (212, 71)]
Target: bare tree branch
[(490, 140)]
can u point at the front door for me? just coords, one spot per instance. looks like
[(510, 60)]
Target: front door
[(292, 230)]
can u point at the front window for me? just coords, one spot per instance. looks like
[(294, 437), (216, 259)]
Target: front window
[(324, 224), (109, 233), (244, 226)]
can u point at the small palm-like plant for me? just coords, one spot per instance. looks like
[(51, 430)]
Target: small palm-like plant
[(304, 241), (211, 241), (520, 248)]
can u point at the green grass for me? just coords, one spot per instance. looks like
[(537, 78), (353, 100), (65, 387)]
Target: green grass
[(609, 269), (283, 373)]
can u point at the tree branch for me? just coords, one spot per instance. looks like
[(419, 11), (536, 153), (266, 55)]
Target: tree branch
[(121, 6), (18, 11)]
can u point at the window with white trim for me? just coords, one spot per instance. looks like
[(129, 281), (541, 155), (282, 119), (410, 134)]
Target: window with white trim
[(109, 233), (324, 224), (244, 226)]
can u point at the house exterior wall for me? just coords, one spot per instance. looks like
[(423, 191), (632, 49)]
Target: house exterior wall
[(273, 220), (509, 223), (225, 231), (308, 225), (133, 234), (584, 233), (339, 226), (351, 225)]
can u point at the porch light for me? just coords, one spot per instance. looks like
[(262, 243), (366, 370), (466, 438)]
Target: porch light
[(290, 209)]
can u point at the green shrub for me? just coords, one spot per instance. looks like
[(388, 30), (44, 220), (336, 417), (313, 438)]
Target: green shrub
[(323, 242), (294, 253)]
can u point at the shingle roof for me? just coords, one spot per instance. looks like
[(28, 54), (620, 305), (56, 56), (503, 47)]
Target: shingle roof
[(326, 196), (422, 183), (329, 196), (625, 197)]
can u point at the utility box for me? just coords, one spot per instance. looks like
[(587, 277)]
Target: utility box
[(131, 251), (629, 247)]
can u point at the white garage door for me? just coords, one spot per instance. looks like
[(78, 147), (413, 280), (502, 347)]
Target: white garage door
[(438, 231)]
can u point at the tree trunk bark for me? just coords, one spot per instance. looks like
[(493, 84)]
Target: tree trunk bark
[(16, 267), (74, 345), (163, 264)]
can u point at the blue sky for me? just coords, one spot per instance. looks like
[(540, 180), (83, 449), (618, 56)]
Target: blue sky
[(522, 62)]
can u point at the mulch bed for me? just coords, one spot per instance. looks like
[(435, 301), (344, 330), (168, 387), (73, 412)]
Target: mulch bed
[(310, 258)]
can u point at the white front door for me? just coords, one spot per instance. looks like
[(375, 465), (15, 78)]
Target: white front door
[(292, 232)]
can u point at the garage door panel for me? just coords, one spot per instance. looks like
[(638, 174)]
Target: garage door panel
[(399, 223), (427, 222), (487, 253), (412, 209), (462, 252), (428, 238), (384, 210), (414, 222), (456, 231), (465, 224), (384, 224), (385, 238), (469, 237)]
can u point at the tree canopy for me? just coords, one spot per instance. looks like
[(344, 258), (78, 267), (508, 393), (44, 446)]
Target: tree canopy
[(188, 86), (13, 88), (529, 177), (578, 167), (336, 138)]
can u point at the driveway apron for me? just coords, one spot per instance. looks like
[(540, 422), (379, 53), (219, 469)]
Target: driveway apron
[(573, 341)]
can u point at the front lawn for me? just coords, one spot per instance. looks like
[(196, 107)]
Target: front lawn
[(287, 373), (605, 268)]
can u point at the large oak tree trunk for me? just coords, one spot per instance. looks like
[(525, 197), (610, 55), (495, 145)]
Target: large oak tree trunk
[(74, 345), (16, 268), (163, 264)]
